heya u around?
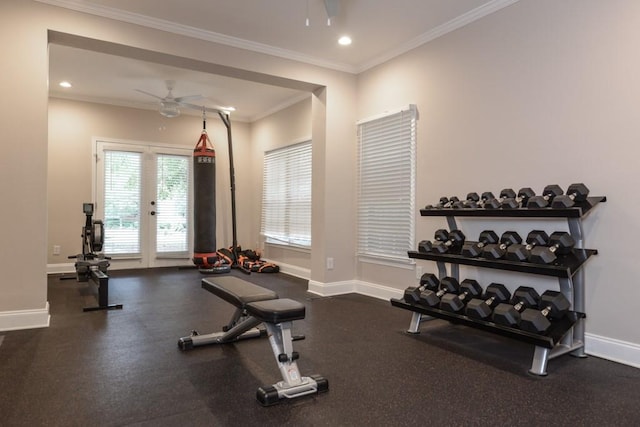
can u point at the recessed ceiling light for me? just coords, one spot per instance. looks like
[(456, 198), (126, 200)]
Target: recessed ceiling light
[(344, 40), (65, 84)]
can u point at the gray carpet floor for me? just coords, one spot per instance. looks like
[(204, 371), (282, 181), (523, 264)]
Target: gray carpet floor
[(123, 367)]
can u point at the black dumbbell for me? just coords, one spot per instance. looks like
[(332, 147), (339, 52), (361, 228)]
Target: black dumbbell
[(575, 193), (486, 197), (549, 193), (560, 242), (424, 246), (520, 252), (473, 201), (455, 302), (452, 200), (474, 249), (509, 314), (505, 194), (454, 240), (427, 281), (493, 295), (520, 200), (553, 305), (444, 201), (470, 202), (431, 297), (498, 250), (440, 236)]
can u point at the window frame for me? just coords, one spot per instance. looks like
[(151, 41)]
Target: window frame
[(376, 232), (287, 159)]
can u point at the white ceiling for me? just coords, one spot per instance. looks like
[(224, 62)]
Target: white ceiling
[(380, 29)]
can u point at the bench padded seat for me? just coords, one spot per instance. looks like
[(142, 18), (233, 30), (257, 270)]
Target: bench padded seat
[(237, 291), (276, 310)]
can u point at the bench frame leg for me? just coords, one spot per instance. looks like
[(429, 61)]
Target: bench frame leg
[(293, 384), (244, 327)]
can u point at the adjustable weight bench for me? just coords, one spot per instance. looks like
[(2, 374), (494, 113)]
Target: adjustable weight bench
[(238, 293), (255, 306)]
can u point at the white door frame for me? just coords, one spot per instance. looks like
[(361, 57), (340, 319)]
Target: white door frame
[(148, 257)]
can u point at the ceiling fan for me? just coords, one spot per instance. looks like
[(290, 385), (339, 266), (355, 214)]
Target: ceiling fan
[(170, 105)]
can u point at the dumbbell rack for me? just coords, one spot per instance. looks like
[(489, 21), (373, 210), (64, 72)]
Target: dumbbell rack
[(565, 335)]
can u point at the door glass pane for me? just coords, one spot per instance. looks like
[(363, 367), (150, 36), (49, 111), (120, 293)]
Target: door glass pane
[(122, 190), (172, 201)]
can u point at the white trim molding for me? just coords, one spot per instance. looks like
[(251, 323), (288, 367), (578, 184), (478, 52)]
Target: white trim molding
[(612, 349), (291, 270), (332, 289), (354, 286), (65, 268), (211, 36), (25, 319), (439, 31), (196, 33)]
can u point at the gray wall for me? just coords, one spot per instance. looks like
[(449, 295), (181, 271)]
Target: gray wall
[(538, 93), (285, 127)]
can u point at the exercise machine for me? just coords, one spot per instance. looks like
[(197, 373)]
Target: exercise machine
[(91, 265)]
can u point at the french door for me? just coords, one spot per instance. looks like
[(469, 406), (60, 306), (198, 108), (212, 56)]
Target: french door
[(144, 197)]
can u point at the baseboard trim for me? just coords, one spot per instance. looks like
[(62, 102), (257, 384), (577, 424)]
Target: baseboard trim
[(612, 349), (291, 270), (354, 286), (377, 291), (25, 319), (61, 268), (331, 289)]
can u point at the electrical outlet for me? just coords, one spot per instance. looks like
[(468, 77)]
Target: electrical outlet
[(56, 249), (330, 263), (418, 271)]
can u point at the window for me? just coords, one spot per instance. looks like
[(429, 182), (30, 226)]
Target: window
[(172, 201), (386, 185), (286, 196), (122, 189)]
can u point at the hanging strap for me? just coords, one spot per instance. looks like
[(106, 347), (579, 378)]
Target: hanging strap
[(204, 143)]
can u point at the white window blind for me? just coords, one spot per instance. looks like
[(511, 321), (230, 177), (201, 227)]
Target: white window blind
[(286, 196), (172, 180), (386, 185), (122, 182)]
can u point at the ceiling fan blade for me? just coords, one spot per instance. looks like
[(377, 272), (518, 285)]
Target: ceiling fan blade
[(188, 98), (150, 94)]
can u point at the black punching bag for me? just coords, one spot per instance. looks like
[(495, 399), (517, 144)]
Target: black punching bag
[(204, 204)]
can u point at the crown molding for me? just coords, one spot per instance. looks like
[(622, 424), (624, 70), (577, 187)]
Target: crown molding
[(197, 33), (185, 30), (289, 102), (439, 31)]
